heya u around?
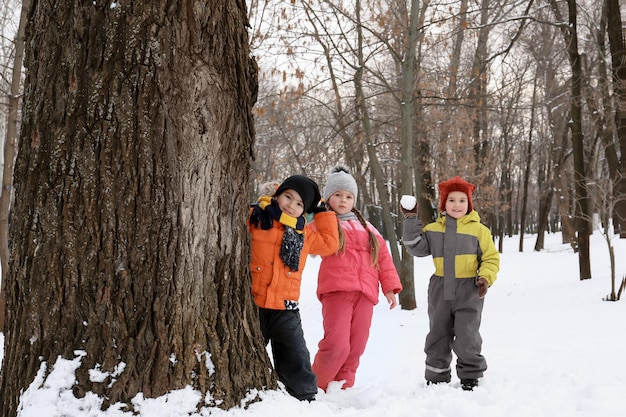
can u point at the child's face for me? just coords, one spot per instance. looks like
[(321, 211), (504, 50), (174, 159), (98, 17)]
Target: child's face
[(341, 202), (457, 204), (290, 202)]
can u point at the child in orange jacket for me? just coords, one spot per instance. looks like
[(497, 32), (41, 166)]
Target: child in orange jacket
[(281, 241)]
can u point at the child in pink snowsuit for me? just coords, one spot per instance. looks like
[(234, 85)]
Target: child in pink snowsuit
[(348, 285)]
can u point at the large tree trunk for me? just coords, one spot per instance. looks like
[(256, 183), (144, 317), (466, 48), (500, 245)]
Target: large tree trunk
[(128, 239)]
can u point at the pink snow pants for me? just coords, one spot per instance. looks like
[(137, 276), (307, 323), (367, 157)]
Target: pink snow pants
[(347, 318)]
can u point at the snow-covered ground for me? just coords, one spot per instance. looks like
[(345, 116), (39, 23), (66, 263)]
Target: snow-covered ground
[(553, 346)]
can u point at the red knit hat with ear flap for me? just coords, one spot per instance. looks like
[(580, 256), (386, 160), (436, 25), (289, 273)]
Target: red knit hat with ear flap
[(456, 184)]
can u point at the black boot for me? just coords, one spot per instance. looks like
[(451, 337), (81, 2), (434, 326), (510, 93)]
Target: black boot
[(469, 384), (429, 382)]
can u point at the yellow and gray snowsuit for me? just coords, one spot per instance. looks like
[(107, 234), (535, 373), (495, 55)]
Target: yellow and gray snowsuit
[(462, 250)]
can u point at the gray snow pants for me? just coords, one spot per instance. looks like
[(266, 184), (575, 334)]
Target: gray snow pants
[(454, 325)]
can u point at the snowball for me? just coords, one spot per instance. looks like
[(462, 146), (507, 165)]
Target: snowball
[(408, 202)]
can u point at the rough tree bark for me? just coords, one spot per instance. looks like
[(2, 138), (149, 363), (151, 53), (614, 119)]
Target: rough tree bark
[(128, 239)]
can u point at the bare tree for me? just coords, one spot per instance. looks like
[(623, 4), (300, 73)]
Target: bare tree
[(128, 240), (407, 296), (526, 169), (618, 57), (583, 227), (367, 132), (10, 149)]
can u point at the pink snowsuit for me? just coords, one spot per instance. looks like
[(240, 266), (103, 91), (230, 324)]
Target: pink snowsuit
[(348, 288)]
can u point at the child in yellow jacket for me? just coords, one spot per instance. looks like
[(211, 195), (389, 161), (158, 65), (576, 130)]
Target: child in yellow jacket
[(466, 263)]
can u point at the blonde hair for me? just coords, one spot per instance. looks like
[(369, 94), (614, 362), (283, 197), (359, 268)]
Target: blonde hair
[(374, 245), (268, 188)]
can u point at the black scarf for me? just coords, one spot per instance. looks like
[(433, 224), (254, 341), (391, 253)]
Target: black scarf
[(263, 215)]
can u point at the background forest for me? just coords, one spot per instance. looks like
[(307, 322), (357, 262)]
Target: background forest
[(523, 98)]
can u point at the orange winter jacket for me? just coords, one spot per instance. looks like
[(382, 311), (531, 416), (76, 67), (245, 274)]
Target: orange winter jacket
[(275, 285)]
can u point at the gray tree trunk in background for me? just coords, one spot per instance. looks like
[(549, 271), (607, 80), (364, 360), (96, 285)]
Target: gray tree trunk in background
[(10, 150), (364, 119), (128, 238), (406, 270), (583, 209), (618, 58)]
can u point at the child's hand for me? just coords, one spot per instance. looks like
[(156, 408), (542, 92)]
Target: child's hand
[(483, 286), (320, 208), (391, 299)]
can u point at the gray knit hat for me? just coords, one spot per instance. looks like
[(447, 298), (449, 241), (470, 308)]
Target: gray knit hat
[(340, 179)]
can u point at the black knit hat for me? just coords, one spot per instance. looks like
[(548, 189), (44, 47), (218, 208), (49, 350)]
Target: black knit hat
[(306, 187)]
